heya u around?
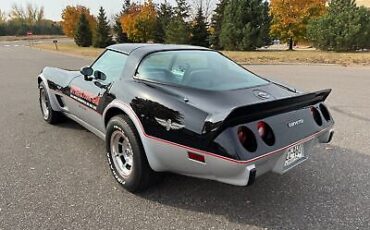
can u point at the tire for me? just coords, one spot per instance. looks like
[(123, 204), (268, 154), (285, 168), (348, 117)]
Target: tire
[(128, 163), (48, 114)]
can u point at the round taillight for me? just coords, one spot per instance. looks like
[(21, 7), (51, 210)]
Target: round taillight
[(261, 127), (247, 139), (316, 116), (266, 133), (325, 112)]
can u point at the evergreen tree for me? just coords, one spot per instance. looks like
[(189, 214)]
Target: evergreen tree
[(121, 37), (178, 31), (345, 27), (266, 22), (103, 37), (216, 22), (182, 9), (83, 34), (199, 30), (242, 26), (165, 14)]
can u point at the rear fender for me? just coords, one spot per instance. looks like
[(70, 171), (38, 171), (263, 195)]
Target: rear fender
[(151, 156)]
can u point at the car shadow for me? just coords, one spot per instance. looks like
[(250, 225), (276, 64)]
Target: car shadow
[(70, 124), (316, 194)]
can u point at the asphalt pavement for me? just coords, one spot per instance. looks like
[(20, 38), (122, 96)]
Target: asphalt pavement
[(57, 177)]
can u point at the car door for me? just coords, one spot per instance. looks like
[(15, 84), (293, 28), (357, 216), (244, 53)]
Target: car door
[(90, 94)]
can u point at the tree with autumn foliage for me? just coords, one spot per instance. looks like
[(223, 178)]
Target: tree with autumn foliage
[(140, 21), (71, 16), (290, 18)]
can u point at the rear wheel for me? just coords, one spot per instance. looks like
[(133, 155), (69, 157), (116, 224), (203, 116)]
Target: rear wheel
[(126, 155), (48, 114)]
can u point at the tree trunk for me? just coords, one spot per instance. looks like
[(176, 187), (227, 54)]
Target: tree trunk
[(290, 43)]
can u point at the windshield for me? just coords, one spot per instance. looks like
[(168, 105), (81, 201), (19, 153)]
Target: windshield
[(206, 70)]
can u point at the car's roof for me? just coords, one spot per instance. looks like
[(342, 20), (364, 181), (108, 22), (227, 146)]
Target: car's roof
[(127, 48)]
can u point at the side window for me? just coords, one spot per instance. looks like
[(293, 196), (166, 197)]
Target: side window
[(111, 64), (156, 67)]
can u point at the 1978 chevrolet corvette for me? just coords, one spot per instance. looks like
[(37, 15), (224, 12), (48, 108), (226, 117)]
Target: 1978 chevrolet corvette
[(188, 110)]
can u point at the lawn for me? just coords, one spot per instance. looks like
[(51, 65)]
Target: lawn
[(71, 48), (253, 57)]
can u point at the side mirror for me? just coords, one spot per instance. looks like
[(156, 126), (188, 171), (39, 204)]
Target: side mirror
[(99, 75), (86, 71)]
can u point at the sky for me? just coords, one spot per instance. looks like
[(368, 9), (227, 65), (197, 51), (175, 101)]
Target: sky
[(53, 8)]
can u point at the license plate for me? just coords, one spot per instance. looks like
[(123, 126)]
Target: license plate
[(294, 154)]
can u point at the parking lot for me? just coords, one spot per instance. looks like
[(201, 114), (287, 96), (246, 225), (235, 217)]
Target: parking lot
[(57, 177)]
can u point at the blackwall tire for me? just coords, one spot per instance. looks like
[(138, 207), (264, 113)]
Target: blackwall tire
[(48, 114)]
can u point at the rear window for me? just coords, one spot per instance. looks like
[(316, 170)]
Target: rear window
[(206, 70)]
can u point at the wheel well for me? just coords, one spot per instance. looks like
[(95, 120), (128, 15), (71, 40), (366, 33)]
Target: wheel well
[(111, 113)]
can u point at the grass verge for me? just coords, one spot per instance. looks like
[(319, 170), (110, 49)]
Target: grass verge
[(253, 57), (71, 48)]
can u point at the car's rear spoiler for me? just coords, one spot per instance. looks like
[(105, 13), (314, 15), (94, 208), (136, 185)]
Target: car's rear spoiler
[(265, 109)]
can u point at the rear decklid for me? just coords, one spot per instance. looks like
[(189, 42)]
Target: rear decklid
[(247, 113)]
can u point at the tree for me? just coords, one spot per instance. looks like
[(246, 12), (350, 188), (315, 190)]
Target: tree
[(164, 16), (182, 9), (31, 15), (207, 6), (216, 22), (2, 17), (70, 18), (146, 22), (103, 37), (290, 18), (345, 27), (199, 30), (266, 24), (121, 37), (178, 31), (139, 22), (83, 34), (244, 25)]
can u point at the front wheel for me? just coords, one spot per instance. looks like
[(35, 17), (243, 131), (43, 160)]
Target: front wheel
[(49, 115), (126, 156)]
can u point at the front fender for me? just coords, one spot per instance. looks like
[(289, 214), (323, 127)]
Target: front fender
[(53, 100)]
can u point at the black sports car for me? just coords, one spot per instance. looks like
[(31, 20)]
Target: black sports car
[(188, 110)]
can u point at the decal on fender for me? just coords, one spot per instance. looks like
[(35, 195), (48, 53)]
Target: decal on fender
[(84, 97)]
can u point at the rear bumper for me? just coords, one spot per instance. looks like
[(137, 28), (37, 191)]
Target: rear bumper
[(274, 162), (166, 156)]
